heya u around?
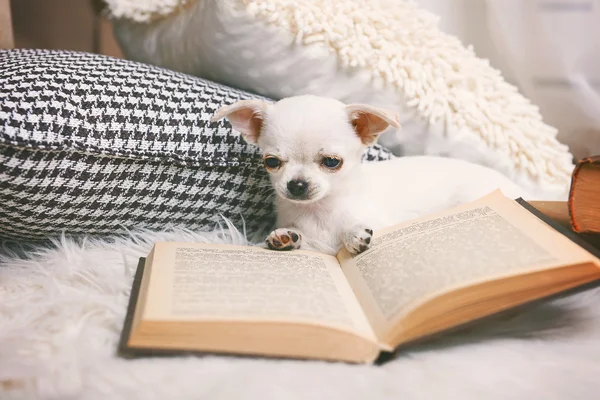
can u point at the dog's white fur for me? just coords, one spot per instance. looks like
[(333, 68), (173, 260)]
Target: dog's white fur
[(343, 206)]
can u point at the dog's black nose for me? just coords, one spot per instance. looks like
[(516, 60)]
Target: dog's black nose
[(297, 187)]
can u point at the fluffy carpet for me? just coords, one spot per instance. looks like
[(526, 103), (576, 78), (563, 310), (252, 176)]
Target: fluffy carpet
[(62, 309)]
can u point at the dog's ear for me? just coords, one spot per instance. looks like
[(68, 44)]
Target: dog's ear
[(246, 117), (369, 122)]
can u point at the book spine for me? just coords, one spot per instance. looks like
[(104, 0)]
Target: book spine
[(573, 190)]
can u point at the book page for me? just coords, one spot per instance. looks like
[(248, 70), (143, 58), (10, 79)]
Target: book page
[(217, 282), (486, 239)]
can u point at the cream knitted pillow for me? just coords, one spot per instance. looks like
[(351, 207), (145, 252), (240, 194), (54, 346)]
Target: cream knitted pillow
[(388, 53)]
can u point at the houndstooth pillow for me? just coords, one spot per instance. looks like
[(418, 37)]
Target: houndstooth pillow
[(95, 145)]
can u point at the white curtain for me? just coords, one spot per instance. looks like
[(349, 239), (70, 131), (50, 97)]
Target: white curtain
[(550, 49)]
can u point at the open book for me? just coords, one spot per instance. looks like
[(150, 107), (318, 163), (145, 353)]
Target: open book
[(418, 279)]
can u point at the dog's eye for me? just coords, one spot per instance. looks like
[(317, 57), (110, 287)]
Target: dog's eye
[(272, 162), (331, 162)]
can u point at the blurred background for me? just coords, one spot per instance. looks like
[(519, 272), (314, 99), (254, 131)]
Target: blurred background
[(548, 48), (62, 24)]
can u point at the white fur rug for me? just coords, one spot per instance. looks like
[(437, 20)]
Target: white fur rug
[(62, 309)]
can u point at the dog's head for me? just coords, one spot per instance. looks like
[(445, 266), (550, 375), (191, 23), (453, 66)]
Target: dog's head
[(310, 144)]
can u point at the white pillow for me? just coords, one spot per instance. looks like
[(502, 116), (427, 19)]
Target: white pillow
[(387, 53)]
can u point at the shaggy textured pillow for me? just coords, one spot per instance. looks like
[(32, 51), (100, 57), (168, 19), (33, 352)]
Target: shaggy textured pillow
[(384, 52), (95, 145)]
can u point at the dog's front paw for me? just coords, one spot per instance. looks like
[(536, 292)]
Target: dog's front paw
[(358, 240), (284, 239)]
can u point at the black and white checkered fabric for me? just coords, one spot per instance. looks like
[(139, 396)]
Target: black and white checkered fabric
[(95, 145)]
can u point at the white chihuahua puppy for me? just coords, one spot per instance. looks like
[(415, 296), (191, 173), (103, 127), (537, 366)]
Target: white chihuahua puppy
[(326, 197)]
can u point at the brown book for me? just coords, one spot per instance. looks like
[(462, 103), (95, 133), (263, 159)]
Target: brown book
[(418, 280), (584, 196)]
